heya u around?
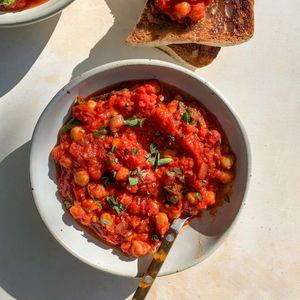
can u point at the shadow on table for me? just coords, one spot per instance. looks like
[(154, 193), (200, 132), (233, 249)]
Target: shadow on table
[(19, 49), (32, 264), (112, 46)]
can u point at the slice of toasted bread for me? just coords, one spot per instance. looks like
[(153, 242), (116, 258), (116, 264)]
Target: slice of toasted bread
[(226, 22), (192, 55)]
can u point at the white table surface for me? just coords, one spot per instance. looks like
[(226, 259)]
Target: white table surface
[(261, 257)]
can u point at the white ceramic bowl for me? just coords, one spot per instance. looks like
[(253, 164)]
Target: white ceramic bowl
[(32, 15), (196, 241)]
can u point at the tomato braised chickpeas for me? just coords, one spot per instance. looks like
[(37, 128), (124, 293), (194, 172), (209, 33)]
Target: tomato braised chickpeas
[(135, 157)]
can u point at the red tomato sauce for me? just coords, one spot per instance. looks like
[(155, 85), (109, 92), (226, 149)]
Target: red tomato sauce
[(134, 157), (19, 5), (179, 10)]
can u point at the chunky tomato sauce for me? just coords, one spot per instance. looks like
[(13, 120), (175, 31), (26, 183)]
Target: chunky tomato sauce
[(135, 157), (179, 10), (17, 5)]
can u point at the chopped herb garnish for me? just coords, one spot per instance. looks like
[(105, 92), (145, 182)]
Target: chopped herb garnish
[(148, 155), (134, 172), (113, 148), (177, 170), (186, 116), (70, 124), (100, 133), (134, 151), (134, 122), (227, 199), (171, 137), (154, 237), (133, 180), (115, 205), (156, 159), (170, 174), (116, 135), (164, 161), (105, 221), (153, 149), (139, 172), (157, 133), (199, 196)]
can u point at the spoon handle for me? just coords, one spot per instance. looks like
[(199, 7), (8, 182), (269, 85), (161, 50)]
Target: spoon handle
[(158, 259)]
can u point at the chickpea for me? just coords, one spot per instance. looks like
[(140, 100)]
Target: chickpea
[(122, 174), (98, 191), (77, 133), (211, 197), (65, 161), (225, 176), (227, 160), (56, 153), (182, 9), (162, 223), (191, 197), (116, 122), (91, 104), (77, 212), (139, 248), (89, 205), (81, 178)]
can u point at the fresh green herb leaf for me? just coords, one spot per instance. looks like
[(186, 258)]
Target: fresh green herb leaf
[(116, 135), (70, 124), (154, 237), (139, 172), (199, 196), (227, 199), (177, 170), (134, 151), (148, 155), (105, 221), (115, 205), (100, 133), (164, 161), (156, 160), (157, 133), (186, 116), (153, 149), (170, 174), (113, 148), (134, 122), (133, 180)]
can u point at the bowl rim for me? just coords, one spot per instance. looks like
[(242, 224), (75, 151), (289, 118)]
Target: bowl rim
[(38, 16), (132, 62)]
